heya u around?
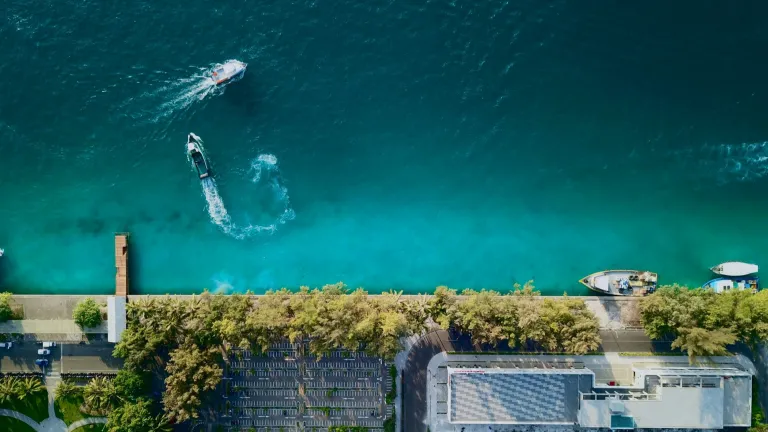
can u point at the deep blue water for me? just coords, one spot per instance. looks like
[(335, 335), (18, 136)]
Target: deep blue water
[(390, 144)]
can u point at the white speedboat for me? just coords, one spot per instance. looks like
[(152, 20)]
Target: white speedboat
[(228, 72), (195, 152), (2, 251), (735, 269)]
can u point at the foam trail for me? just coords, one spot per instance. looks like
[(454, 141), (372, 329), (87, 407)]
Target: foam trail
[(265, 168), (172, 99), (741, 162)]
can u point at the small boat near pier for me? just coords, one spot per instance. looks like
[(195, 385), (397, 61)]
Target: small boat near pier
[(723, 284), (622, 282)]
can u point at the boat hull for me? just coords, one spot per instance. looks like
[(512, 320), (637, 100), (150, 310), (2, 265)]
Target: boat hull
[(195, 153), (621, 283), (735, 269), (723, 284), (229, 72)]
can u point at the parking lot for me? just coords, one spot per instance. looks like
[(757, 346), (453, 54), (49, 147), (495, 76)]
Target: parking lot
[(287, 390), (22, 355), (63, 358)]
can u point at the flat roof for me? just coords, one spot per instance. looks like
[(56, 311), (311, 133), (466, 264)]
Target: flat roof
[(516, 396), (116, 320), (677, 408), (675, 397)]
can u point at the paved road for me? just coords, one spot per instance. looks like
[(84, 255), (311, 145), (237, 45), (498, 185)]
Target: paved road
[(21, 358), (415, 378), (95, 357), (414, 406)]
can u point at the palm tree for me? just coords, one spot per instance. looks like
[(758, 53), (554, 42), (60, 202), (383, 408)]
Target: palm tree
[(8, 388), (28, 387), (66, 389), (161, 424), (99, 394)]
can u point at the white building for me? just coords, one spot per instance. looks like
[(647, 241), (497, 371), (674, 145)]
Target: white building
[(659, 397)]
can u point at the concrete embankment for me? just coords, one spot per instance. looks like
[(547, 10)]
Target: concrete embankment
[(612, 312)]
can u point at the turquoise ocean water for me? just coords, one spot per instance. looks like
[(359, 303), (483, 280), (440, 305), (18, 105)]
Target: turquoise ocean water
[(386, 144)]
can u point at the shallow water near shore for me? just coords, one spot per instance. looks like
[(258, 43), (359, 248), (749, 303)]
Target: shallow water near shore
[(390, 145)]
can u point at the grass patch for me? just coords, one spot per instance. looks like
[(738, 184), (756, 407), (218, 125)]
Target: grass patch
[(519, 353), (758, 416), (34, 406), (389, 424), (68, 409), (92, 428), (9, 424), (392, 394)]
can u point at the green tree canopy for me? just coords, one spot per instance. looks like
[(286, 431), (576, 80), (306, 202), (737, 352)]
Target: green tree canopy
[(191, 372), (130, 385), (6, 312), (87, 313), (703, 322), (136, 417)]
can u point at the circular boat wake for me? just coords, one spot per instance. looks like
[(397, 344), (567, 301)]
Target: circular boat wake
[(265, 174)]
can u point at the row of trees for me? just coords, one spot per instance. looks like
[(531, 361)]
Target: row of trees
[(703, 322), (12, 388), (123, 400), (188, 340), (519, 318)]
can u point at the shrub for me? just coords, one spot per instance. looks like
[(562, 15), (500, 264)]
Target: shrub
[(6, 312), (87, 313)]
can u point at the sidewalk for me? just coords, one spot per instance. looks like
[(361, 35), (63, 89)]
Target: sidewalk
[(51, 329)]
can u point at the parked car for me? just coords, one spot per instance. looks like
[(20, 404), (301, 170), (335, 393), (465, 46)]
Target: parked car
[(6, 345), (49, 344), (41, 362), (43, 352)]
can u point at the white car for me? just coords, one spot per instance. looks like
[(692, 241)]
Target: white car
[(43, 352), (49, 344), (6, 345)]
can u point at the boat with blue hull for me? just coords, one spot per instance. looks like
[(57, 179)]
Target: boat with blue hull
[(723, 284)]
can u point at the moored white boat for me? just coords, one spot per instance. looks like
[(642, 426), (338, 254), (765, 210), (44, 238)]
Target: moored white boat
[(735, 269), (622, 282)]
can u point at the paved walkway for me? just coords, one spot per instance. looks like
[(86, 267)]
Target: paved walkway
[(19, 416), (52, 423), (83, 422)]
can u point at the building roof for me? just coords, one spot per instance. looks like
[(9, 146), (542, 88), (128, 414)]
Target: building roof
[(116, 320), (516, 396), (677, 408), (674, 397)]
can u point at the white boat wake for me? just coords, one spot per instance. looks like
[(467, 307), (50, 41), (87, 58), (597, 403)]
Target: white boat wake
[(265, 173), (742, 162), (173, 98)]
